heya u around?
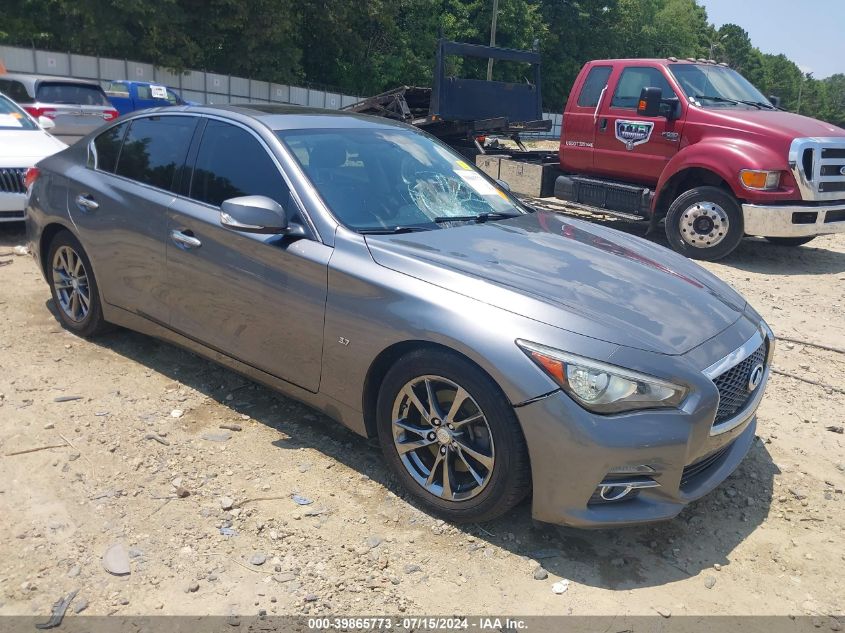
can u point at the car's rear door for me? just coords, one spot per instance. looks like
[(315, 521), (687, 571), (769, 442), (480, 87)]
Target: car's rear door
[(257, 298), (580, 120), (118, 204)]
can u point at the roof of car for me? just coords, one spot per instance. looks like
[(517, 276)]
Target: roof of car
[(33, 79), (283, 116)]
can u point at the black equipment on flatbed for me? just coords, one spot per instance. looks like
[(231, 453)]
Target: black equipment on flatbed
[(459, 110)]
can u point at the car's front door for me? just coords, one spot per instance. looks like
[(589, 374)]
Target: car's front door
[(257, 298), (631, 144), (118, 204)]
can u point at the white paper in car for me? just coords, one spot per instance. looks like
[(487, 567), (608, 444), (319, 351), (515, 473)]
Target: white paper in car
[(10, 120), (158, 92), (477, 182)]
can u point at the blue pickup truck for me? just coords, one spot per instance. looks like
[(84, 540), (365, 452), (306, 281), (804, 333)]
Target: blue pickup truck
[(128, 96)]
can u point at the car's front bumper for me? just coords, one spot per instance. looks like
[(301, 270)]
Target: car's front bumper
[(794, 220), (12, 207), (680, 453)]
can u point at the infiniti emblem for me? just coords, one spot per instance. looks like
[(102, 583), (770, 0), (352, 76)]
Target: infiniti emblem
[(755, 377)]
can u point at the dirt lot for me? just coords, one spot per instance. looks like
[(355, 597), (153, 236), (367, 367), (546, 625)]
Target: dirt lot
[(768, 541)]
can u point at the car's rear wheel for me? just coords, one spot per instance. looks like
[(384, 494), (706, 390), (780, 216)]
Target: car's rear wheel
[(451, 437), (704, 223), (791, 241), (73, 286)]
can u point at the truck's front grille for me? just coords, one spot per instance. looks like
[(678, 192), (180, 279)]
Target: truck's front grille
[(11, 179), (818, 165), (733, 385)]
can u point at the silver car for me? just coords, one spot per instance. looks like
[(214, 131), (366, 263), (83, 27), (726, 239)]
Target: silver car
[(364, 268), (76, 106)]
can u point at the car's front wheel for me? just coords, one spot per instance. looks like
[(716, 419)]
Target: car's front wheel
[(451, 437), (73, 286)]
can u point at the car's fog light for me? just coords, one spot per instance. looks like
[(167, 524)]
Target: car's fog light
[(611, 490)]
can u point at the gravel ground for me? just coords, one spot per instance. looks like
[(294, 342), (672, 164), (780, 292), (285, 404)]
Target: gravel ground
[(220, 497)]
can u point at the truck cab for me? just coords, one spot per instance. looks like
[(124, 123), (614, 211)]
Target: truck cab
[(128, 96), (694, 144)]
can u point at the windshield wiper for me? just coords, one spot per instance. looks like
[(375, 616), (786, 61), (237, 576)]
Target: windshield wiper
[(392, 231), (756, 104), (478, 219)]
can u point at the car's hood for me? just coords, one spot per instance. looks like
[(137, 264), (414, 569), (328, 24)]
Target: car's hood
[(768, 123), (27, 146), (570, 274)]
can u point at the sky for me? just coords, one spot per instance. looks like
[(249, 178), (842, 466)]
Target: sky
[(810, 32)]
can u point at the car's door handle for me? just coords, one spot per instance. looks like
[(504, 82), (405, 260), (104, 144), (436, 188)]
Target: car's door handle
[(184, 240), (603, 125), (87, 203)]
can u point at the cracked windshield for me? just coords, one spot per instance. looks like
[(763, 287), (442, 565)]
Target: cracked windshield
[(385, 181)]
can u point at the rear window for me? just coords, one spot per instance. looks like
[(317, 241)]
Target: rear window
[(593, 85), (155, 147), (15, 90), (106, 148), (78, 94)]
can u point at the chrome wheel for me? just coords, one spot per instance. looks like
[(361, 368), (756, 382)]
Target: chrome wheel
[(70, 279), (704, 225), (442, 438)]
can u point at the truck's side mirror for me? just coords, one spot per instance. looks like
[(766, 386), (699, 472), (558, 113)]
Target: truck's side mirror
[(649, 103), (775, 101)]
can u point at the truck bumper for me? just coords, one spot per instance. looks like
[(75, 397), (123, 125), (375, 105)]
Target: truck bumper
[(799, 220)]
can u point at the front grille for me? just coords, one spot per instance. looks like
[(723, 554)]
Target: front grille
[(696, 468), (816, 164), (733, 385), (11, 179)]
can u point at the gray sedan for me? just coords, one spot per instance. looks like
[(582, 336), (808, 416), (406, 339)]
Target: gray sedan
[(364, 268)]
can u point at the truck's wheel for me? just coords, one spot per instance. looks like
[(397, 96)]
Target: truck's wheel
[(704, 223), (790, 241)]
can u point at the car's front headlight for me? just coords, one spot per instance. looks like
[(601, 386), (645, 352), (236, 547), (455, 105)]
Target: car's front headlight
[(601, 387)]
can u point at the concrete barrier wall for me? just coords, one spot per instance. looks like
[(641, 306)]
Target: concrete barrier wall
[(193, 85)]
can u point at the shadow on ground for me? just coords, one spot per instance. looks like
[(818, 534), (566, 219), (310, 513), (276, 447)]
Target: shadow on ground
[(703, 535)]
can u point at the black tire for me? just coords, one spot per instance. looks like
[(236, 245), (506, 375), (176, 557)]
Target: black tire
[(723, 243), (92, 323), (509, 478), (791, 241)]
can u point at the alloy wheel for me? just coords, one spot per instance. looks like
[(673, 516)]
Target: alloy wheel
[(704, 225), (443, 438), (70, 279)]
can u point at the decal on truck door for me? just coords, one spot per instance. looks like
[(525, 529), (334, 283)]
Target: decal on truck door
[(633, 133)]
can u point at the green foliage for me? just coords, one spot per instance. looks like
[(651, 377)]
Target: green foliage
[(366, 47)]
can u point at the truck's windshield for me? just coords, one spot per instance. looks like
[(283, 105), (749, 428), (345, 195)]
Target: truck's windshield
[(717, 87)]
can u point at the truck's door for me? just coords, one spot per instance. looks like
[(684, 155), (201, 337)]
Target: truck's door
[(579, 120), (628, 146)]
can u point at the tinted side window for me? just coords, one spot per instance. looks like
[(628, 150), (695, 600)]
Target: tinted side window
[(15, 90), (631, 83), (155, 148), (106, 147), (231, 163), (594, 83)]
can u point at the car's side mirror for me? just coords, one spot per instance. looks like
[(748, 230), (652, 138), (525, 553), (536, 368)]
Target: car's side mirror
[(254, 214), (774, 100), (504, 185), (649, 103), (46, 123)]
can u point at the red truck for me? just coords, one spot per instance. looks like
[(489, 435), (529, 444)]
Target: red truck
[(693, 143)]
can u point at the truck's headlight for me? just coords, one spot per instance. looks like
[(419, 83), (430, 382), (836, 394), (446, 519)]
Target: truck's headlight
[(601, 387), (759, 179)]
